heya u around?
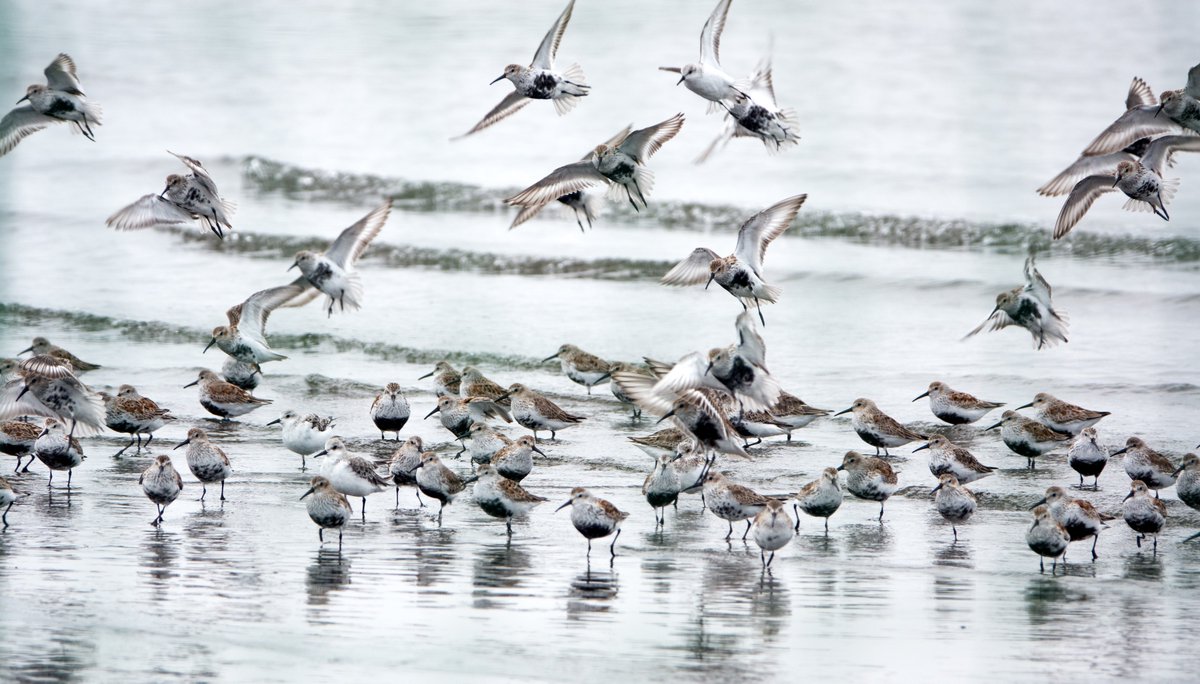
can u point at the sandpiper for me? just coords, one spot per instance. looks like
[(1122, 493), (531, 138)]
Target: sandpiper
[(1027, 437), (706, 78), (791, 411), (328, 508), (332, 272), (1087, 457), (161, 484), (501, 497), (436, 480), (661, 487), (756, 113), (691, 465), (820, 498), (42, 347), (483, 441), (534, 411), (185, 199), (705, 424), (947, 457), (1144, 514), (207, 461), (390, 410), (1079, 517), (732, 502), (351, 475), (8, 497), (954, 407), (624, 367), (457, 415), (515, 461), (17, 439), (594, 517), (1146, 464), (772, 530), (741, 273), (540, 80), (954, 502), (131, 413), (662, 442), (619, 167), (582, 202), (1060, 416), (581, 367), (878, 429), (755, 424), (1047, 537), (474, 383), (245, 338), (445, 379), (223, 399), (869, 478), (244, 374), (46, 386), (1187, 484), (1176, 111), (61, 99), (58, 450), (402, 466), (304, 434), (1029, 306)]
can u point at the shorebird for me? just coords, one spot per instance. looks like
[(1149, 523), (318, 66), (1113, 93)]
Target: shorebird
[(351, 475), (946, 457), (581, 367), (753, 424), (501, 497), (402, 466), (741, 273), (223, 399), (1029, 306), (1027, 437), (304, 434), (474, 383), (954, 407), (540, 80), (60, 100), (1176, 112), (483, 442), (877, 428), (706, 78), (1144, 514), (45, 386), (594, 518), (208, 462), (619, 167), (1080, 518), (42, 347), (616, 390), (954, 502), (390, 410), (131, 413), (57, 450), (515, 461), (161, 483), (1146, 464), (185, 199), (1087, 457), (756, 114), (772, 530), (869, 478), (332, 272), (1047, 538), (661, 487), (328, 508), (8, 496), (820, 498), (536, 412), (585, 203), (457, 415), (244, 374), (791, 411), (662, 442), (445, 379), (245, 338), (437, 481), (732, 502), (17, 439), (1187, 483), (1060, 416)]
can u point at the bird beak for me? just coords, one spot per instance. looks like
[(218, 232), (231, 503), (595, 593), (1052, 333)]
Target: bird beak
[(310, 491), (1024, 406), (568, 503), (709, 368), (209, 346), (710, 279), (539, 451), (1177, 471), (498, 79), (435, 410), (841, 467), (994, 426), (1128, 496), (922, 395), (183, 443), (1039, 503), (550, 358), (1115, 181), (1119, 452), (665, 416), (682, 78), (502, 397), (27, 97), (322, 452), (23, 391), (1156, 112), (427, 374), (935, 489), (24, 350), (922, 447), (274, 421), (845, 411), (294, 265), (192, 383)]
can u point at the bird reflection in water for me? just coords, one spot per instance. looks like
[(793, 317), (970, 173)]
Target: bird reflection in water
[(329, 572)]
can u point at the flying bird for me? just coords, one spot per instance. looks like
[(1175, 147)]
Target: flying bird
[(333, 272), (61, 99), (706, 78), (186, 198), (1030, 307)]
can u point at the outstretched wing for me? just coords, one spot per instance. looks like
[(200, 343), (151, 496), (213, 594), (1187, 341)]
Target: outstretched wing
[(759, 230), (1086, 165), (692, 270), (60, 75), (1082, 196), (997, 321), (349, 246), (1140, 122), (562, 181), (1160, 150), (644, 142), (149, 211), (19, 124), (750, 343), (199, 172), (710, 35), (254, 312), (507, 107), (1139, 94), (544, 57)]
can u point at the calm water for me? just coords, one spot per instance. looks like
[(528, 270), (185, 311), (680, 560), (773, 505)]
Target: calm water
[(924, 134)]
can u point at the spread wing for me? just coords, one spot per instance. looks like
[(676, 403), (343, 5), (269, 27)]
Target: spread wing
[(613, 141), (1082, 196), (1086, 165), (252, 322), (1140, 122), (997, 321), (690, 372), (562, 181), (1035, 284), (349, 246), (544, 57), (692, 270), (768, 224), (1160, 150), (761, 87), (60, 75), (508, 106), (1139, 94), (149, 211), (710, 35), (20, 123), (199, 173), (644, 142), (750, 343)]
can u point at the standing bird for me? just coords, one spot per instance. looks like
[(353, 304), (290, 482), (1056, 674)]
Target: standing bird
[(706, 78), (772, 530), (947, 458), (207, 461), (500, 497), (877, 428), (304, 434), (1026, 437), (458, 415), (1176, 111), (445, 379), (1087, 457), (1060, 416), (402, 466), (741, 273), (131, 413), (390, 410), (1187, 483), (61, 99), (1047, 537), (1080, 518), (616, 390), (42, 347), (661, 487), (57, 450), (581, 367), (184, 200), (437, 481), (515, 461), (328, 508), (534, 411), (8, 496), (732, 502), (161, 484), (351, 475), (954, 502), (617, 167), (594, 518), (474, 383), (46, 386), (585, 202), (540, 80), (869, 478), (333, 271), (1146, 464), (1143, 513), (1029, 306), (223, 399), (17, 439), (820, 498), (954, 407), (245, 338), (792, 413), (484, 441)]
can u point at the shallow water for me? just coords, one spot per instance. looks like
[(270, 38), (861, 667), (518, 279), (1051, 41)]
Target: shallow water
[(924, 133)]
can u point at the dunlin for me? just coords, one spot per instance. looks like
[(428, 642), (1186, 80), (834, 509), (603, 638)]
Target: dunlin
[(534, 411), (475, 384), (661, 487), (445, 379), (585, 203), (946, 457), (351, 475), (1087, 457), (8, 496), (222, 399), (704, 423), (244, 374), (878, 429), (437, 481), (483, 441), (617, 168), (1029, 306), (791, 411), (623, 367), (732, 502), (1146, 464), (46, 386), (691, 465), (1144, 514), (184, 200), (772, 530), (954, 407), (501, 497), (756, 114), (304, 434), (245, 338), (333, 271), (60, 100), (1060, 416), (1047, 537), (132, 414), (820, 498), (954, 502), (757, 425), (515, 461), (540, 80), (207, 461), (161, 484), (1177, 111), (1027, 437), (594, 517), (869, 478), (390, 410), (402, 466), (58, 450), (17, 439), (581, 367), (328, 508), (662, 442), (741, 273), (457, 415), (1187, 483), (1080, 518), (706, 78), (42, 347)]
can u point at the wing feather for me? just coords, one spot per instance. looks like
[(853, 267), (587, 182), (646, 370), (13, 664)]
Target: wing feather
[(761, 229), (351, 243)]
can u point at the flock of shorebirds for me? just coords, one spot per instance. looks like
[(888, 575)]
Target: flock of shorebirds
[(717, 400)]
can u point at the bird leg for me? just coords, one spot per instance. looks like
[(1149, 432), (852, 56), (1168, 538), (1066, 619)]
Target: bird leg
[(612, 548), (747, 530)]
